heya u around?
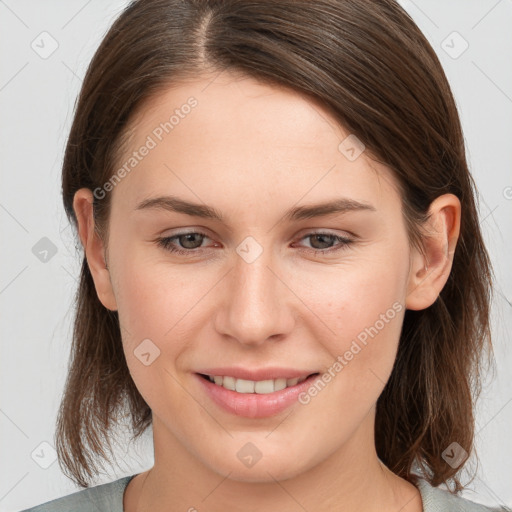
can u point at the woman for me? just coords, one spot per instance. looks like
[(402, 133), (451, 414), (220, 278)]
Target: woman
[(283, 272)]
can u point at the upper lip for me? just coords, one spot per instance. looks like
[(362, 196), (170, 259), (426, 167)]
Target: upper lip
[(258, 374)]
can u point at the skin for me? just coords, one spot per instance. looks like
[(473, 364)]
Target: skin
[(252, 151)]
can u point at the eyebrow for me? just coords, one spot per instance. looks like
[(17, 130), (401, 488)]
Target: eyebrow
[(178, 205)]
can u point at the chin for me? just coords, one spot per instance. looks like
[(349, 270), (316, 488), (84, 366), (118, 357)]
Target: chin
[(247, 463), (261, 472)]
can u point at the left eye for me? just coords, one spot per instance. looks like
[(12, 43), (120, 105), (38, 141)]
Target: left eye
[(343, 242), (192, 241)]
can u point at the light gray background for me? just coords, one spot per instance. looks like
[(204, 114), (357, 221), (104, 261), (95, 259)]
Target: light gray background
[(37, 97)]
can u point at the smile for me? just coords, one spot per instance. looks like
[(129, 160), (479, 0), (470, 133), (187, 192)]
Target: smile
[(261, 387), (254, 398)]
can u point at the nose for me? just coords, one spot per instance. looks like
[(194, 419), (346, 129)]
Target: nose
[(257, 304)]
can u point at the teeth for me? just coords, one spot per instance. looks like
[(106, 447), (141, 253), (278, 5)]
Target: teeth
[(228, 383), (261, 387), (244, 386), (279, 384), (264, 386)]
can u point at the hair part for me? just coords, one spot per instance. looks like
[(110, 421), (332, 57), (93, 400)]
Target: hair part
[(407, 118)]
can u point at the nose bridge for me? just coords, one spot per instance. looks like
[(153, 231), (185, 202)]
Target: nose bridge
[(256, 307)]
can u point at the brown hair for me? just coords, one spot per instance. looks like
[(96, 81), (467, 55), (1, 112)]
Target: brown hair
[(368, 63)]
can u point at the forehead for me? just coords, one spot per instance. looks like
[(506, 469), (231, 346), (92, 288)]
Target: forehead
[(227, 101), (231, 132)]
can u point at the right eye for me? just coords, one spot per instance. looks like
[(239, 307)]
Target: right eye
[(192, 238)]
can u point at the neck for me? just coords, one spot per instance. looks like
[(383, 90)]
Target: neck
[(350, 480)]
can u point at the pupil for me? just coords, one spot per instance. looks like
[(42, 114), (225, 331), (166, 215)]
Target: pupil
[(189, 238), (320, 237)]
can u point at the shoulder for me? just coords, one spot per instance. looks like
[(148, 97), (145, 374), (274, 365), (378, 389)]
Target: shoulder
[(102, 497), (439, 500)]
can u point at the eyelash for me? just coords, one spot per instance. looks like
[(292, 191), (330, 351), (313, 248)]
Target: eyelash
[(166, 243)]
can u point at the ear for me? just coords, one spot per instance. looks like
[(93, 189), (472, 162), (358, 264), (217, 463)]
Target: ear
[(93, 247), (429, 271)]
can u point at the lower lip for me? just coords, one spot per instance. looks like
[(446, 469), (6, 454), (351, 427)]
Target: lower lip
[(254, 405)]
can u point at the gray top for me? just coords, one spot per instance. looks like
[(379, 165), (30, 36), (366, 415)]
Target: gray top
[(109, 498)]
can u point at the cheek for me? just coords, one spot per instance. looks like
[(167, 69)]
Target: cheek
[(155, 304), (158, 302), (153, 299), (354, 296), (361, 305)]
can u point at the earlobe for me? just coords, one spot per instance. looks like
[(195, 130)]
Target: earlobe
[(430, 269), (93, 247)]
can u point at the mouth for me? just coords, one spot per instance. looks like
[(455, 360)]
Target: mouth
[(260, 387), (251, 392), (255, 398)]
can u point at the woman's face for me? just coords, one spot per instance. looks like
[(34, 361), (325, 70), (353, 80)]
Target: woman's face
[(261, 289)]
